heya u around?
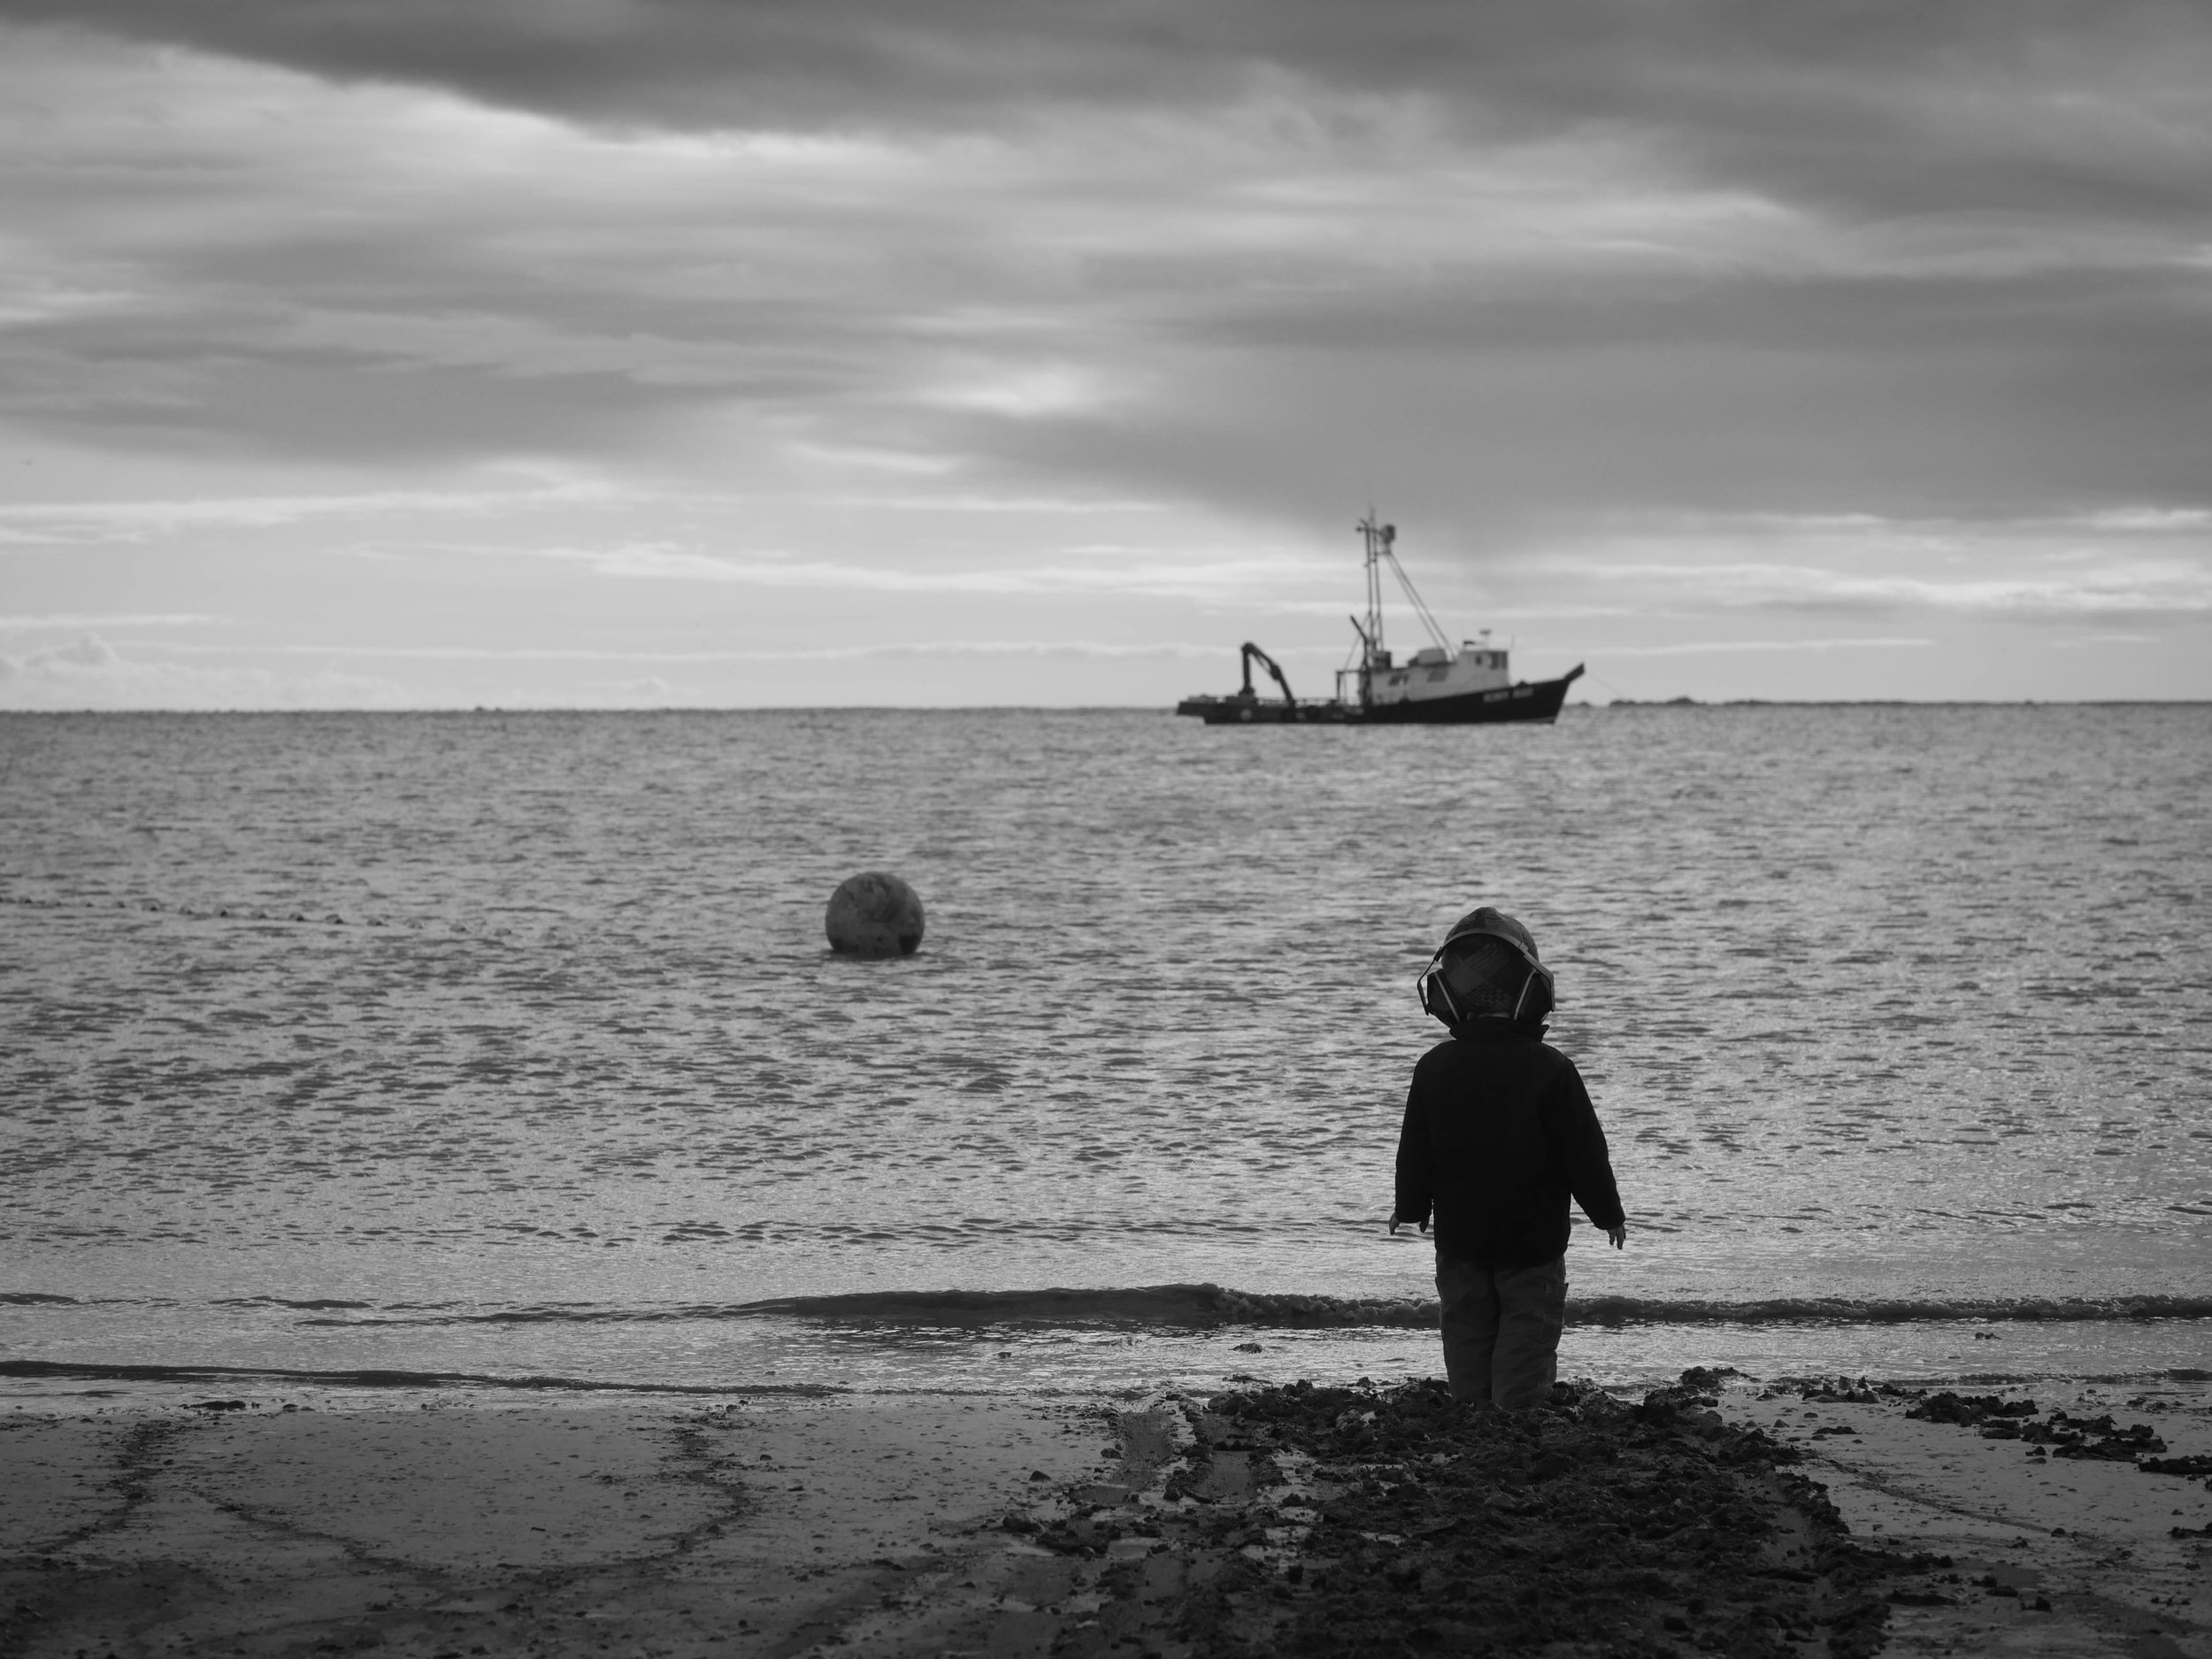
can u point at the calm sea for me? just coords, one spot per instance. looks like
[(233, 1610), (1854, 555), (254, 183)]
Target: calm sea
[(510, 1044)]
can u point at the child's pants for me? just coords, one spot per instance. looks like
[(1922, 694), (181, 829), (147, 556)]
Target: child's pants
[(1501, 1330)]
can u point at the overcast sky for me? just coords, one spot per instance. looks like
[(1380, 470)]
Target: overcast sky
[(401, 352)]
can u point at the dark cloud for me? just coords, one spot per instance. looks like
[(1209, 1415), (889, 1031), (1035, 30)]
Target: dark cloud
[(2042, 394), (328, 405), (2011, 104)]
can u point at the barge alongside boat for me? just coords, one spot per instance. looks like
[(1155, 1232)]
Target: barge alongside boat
[(1438, 685)]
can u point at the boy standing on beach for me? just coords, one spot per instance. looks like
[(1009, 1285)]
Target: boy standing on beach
[(1499, 1131)]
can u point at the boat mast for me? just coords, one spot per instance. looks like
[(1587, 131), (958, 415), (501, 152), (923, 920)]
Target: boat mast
[(1377, 539)]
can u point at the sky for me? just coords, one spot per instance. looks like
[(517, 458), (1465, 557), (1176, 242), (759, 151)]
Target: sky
[(585, 353)]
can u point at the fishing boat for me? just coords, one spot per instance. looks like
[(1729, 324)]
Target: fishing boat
[(1439, 684)]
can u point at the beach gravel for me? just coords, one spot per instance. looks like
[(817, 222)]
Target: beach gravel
[(1358, 1521)]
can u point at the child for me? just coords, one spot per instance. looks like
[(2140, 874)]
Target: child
[(1498, 1132)]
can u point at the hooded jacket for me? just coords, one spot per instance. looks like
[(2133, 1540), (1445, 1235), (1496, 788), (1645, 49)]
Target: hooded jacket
[(1499, 1133)]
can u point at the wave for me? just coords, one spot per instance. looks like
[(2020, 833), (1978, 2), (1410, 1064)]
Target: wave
[(213, 1374), (1198, 1307), (1209, 1307)]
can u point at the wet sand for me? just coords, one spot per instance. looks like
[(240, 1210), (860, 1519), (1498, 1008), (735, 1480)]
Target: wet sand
[(2095, 1538), (1264, 1522), (494, 1527)]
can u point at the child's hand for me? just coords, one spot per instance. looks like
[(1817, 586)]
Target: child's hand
[(1619, 1236)]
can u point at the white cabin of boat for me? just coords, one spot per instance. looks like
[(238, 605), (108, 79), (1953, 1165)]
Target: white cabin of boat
[(1435, 672)]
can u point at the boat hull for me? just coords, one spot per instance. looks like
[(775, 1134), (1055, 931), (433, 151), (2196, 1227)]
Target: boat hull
[(1533, 700), (1253, 711), (1537, 700)]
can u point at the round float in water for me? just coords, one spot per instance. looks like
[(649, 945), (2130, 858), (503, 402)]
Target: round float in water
[(874, 914)]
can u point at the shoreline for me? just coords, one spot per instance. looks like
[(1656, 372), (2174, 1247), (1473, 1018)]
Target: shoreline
[(1191, 1338), (444, 1521)]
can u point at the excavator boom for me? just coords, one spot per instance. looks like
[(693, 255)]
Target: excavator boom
[(1252, 651)]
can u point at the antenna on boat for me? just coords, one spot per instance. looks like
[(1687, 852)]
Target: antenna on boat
[(1420, 608)]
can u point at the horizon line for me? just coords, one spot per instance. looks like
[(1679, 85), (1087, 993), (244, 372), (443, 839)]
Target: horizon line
[(1101, 708)]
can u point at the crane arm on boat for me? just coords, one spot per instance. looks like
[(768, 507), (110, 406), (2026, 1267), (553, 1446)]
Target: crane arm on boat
[(1252, 651)]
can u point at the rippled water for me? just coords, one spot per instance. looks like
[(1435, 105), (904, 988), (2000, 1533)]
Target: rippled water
[(512, 1039)]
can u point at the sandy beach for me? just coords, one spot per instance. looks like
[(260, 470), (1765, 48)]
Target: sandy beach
[(480, 1524), (470, 1521), (2095, 1538)]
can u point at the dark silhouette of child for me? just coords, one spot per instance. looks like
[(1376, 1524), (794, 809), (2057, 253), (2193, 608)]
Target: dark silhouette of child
[(1499, 1133)]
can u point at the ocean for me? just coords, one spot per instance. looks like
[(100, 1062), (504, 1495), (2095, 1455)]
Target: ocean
[(366, 1047)]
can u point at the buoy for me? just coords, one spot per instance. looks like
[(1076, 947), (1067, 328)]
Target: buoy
[(874, 914)]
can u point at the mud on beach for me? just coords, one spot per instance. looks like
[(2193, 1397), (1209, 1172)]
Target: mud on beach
[(1358, 1521)]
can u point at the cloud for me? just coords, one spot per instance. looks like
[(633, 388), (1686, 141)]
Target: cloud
[(1196, 578), (66, 522), (1705, 648), (2153, 520), (1945, 131), (90, 673), (1104, 649), (106, 619), (91, 652), (2110, 586), (2056, 81), (2087, 641), (1594, 254)]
